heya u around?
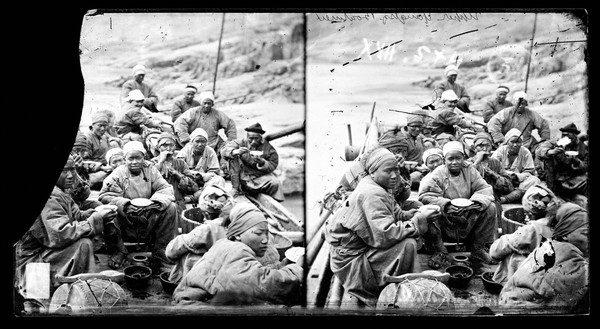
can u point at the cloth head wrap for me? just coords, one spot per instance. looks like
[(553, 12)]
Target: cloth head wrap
[(480, 137), (532, 199), (569, 223), (432, 151), (112, 152), (514, 132), (393, 138), (243, 215), (190, 88), (198, 132), (453, 146), (164, 136), (450, 69), (518, 95), (80, 140), (99, 117), (378, 157), (138, 69), (502, 88), (449, 95), (206, 95), (570, 128), (213, 198), (133, 146), (444, 135), (136, 95), (416, 117)]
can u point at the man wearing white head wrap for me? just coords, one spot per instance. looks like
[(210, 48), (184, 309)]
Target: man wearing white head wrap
[(521, 117), (252, 162), (475, 226), (150, 97), (497, 104), (208, 118), (366, 235), (449, 83), (155, 224), (490, 168), (61, 236), (185, 102), (130, 120), (175, 170), (97, 144), (202, 160), (115, 157), (232, 267), (445, 116), (517, 162)]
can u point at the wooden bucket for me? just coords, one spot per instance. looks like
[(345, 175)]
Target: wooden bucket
[(512, 219), (420, 294), (190, 218), (87, 296)]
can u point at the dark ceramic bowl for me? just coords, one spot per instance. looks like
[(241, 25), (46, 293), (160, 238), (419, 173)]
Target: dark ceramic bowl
[(168, 286), (490, 285), (460, 275), (137, 276)]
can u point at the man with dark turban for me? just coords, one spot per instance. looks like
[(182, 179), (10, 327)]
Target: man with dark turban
[(565, 164), (368, 239), (252, 162), (154, 224), (230, 271), (397, 143), (556, 272), (474, 225), (497, 104), (185, 102), (61, 236)]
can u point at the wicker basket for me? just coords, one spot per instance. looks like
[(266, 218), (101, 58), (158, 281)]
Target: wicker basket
[(512, 219), (190, 218), (419, 295)]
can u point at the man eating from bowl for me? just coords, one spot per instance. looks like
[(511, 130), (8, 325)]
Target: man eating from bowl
[(455, 179), (252, 161), (156, 223)]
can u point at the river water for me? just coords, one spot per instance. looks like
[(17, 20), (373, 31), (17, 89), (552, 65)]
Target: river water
[(346, 97)]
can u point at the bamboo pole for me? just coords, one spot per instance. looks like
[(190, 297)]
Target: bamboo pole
[(218, 55), (530, 51)]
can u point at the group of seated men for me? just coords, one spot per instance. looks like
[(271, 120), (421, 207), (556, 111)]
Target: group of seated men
[(133, 155)]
